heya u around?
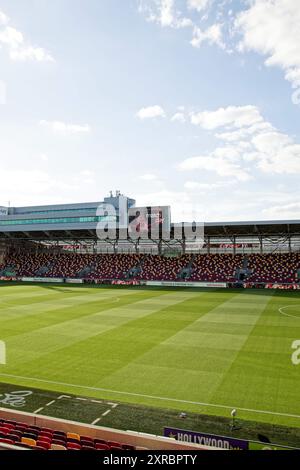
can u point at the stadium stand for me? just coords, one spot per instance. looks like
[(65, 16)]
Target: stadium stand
[(216, 268), (160, 268), (113, 266), (26, 431), (44, 438), (281, 268)]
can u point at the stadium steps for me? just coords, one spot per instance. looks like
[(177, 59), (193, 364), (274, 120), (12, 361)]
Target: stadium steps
[(187, 271), (44, 270), (243, 273), (8, 271), (84, 272), (135, 271)]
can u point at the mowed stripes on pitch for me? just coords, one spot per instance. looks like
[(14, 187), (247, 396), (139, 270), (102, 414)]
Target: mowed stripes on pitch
[(189, 360), (123, 338), (229, 348), (263, 374), (63, 336)]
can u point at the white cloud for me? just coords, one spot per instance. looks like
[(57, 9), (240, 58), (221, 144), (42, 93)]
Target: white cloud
[(87, 177), (285, 211), (28, 181), (250, 144), (268, 27), (184, 206), (276, 153), (233, 116), (217, 163), (178, 117), (245, 132), (212, 35), (148, 177), (87, 173), (198, 5), (3, 18), (271, 142), (164, 13), (271, 28), (163, 197), (27, 186), (195, 185), (243, 145), (18, 48), (60, 127), (30, 53), (192, 185), (151, 112)]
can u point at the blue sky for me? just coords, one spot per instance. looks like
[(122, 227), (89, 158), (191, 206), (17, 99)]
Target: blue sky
[(190, 103)]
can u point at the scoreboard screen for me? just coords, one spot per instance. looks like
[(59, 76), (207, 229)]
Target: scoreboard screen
[(150, 221)]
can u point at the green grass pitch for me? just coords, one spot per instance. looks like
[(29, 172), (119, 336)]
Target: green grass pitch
[(200, 351)]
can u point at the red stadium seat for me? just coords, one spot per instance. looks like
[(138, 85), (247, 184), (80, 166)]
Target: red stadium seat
[(44, 439), (101, 446), (43, 444), (7, 441), (73, 446)]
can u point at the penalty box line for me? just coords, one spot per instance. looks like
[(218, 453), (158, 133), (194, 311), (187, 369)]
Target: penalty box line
[(152, 397), (86, 401)]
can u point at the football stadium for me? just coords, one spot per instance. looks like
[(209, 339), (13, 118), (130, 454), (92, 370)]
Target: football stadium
[(158, 324), (149, 341)]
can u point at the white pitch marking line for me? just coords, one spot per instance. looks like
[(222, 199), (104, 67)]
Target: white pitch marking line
[(113, 405), (63, 396), (281, 310), (50, 403), (152, 397), (82, 399), (96, 421), (38, 410)]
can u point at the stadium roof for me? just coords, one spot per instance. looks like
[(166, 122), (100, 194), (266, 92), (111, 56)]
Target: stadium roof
[(256, 228), (211, 229), (79, 222)]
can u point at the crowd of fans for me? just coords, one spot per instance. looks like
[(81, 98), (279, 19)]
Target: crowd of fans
[(282, 268)]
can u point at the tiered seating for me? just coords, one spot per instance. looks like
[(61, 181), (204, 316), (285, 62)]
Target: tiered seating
[(28, 264), (216, 267), (280, 268), (37, 438), (275, 268), (69, 264), (161, 268), (113, 266)]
